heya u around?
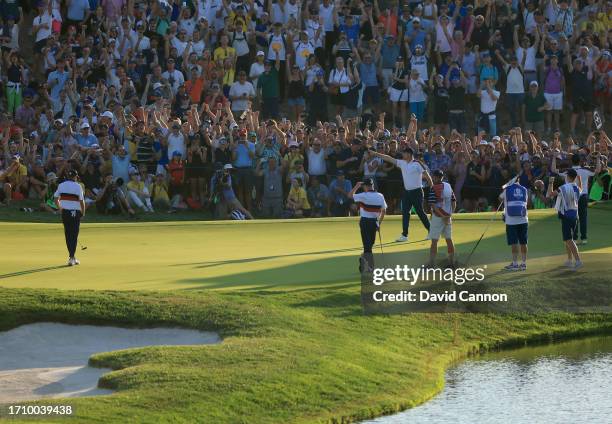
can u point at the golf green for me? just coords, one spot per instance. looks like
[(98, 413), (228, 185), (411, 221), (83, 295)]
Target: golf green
[(252, 255), (284, 295)]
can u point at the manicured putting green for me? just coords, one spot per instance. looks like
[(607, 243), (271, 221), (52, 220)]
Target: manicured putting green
[(274, 255)]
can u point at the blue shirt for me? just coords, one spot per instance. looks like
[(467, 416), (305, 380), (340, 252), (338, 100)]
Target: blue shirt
[(389, 55), (121, 167), (77, 10), (243, 160), (352, 32), (61, 78), (368, 74), (86, 141), (163, 159), (336, 196)]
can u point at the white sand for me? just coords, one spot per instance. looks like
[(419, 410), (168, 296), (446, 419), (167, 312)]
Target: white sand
[(48, 360)]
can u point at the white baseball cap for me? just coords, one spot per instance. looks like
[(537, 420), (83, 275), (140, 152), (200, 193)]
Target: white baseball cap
[(108, 114), (85, 125), (260, 53)]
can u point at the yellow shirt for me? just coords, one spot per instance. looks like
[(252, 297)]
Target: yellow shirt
[(291, 159), (598, 26), (16, 175), (222, 53), (135, 185), (228, 76), (237, 20), (159, 191), (605, 20), (299, 197)]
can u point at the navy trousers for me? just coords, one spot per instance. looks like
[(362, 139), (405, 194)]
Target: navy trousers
[(72, 222), (368, 227), (413, 198)]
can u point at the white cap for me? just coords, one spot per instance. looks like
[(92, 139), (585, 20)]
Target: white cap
[(496, 138), (534, 83), (157, 85), (108, 114), (228, 166), (260, 53), (233, 125), (85, 125), (293, 142), (483, 143)]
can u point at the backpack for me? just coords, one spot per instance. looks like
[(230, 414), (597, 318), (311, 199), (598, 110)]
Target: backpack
[(284, 41)]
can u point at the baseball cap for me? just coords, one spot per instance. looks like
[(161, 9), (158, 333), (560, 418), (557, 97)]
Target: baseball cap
[(416, 20), (84, 125), (260, 53), (51, 176), (157, 85), (176, 153), (483, 143), (228, 166), (108, 114), (340, 172), (533, 83), (368, 182), (438, 173)]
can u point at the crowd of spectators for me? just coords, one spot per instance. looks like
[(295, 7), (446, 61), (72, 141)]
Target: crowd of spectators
[(272, 108)]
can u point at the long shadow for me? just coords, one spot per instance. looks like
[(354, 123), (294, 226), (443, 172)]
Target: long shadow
[(288, 255), (31, 271), (335, 271)]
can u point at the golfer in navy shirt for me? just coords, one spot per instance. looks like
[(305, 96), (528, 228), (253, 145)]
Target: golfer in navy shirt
[(372, 207)]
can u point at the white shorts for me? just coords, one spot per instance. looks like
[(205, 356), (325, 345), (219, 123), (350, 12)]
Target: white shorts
[(438, 228), (396, 95), (555, 101)]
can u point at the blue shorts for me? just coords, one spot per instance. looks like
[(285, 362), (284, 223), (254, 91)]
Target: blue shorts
[(516, 234), (296, 101), (569, 226)]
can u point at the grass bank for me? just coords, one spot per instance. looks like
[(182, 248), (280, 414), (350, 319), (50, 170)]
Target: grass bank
[(285, 298), (301, 356)]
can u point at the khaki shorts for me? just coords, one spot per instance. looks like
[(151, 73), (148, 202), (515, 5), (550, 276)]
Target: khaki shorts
[(438, 228)]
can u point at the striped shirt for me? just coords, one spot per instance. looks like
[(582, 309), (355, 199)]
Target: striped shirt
[(441, 199), (371, 204), (70, 194)]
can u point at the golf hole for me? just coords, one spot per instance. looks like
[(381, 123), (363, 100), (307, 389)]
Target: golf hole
[(49, 360)]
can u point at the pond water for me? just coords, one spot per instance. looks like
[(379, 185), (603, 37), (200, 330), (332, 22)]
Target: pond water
[(47, 360), (569, 382)]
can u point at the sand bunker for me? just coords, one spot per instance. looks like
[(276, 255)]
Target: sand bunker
[(48, 360)]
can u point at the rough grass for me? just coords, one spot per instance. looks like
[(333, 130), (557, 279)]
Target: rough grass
[(300, 356)]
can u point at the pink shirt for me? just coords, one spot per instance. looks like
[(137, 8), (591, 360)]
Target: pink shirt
[(112, 8)]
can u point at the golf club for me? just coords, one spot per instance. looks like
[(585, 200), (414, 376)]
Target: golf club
[(483, 233), (380, 242), (83, 247)]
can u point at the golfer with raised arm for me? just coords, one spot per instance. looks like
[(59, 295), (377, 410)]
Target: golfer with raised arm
[(372, 207), (70, 201), (413, 174)]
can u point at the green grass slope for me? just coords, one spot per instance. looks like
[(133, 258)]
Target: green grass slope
[(286, 301)]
